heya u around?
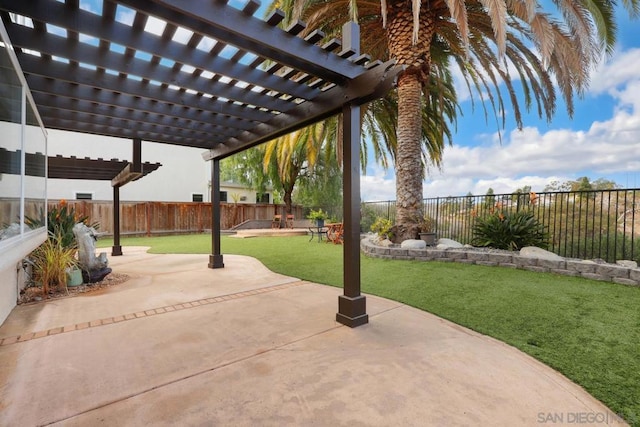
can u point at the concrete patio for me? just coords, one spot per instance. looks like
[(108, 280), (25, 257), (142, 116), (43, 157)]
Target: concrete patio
[(181, 344)]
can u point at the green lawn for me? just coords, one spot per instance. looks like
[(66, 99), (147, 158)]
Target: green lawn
[(588, 330)]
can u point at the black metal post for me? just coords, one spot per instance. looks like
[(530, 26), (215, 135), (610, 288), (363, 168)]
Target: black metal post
[(116, 249), (352, 307), (215, 259)]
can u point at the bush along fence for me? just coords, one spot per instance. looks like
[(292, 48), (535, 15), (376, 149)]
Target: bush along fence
[(597, 224), (155, 218)]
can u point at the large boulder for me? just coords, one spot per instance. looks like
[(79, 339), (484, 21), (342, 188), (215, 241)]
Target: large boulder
[(413, 244), (539, 253), (448, 244)]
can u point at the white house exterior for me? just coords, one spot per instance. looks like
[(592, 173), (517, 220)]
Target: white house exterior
[(168, 183)]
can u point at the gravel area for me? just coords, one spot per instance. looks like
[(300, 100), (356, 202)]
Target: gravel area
[(33, 294)]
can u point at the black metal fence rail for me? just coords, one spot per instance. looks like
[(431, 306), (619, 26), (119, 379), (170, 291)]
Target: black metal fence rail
[(594, 224)]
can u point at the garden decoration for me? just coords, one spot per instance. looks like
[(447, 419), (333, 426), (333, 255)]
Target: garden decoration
[(94, 268)]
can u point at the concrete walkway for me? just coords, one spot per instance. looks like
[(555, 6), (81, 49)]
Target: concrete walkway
[(181, 344)]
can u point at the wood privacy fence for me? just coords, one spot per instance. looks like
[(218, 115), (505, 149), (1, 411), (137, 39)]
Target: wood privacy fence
[(149, 218)]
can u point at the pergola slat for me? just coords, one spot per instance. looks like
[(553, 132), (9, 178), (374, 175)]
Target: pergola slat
[(368, 86), (146, 127), (61, 47), (127, 133), (92, 25), (103, 110), (91, 169), (73, 74), (246, 32)]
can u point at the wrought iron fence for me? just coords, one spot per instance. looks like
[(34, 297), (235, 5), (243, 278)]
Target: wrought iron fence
[(602, 224)]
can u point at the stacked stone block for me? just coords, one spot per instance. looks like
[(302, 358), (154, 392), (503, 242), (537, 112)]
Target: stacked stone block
[(588, 269)]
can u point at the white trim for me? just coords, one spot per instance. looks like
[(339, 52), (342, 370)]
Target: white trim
[(18, 247), (23, 154)]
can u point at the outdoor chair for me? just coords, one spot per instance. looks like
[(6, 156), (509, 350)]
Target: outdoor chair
[(289, 222), (335, 233), (276, 221)]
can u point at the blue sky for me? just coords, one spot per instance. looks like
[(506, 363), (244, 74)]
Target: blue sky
[(601, 140)]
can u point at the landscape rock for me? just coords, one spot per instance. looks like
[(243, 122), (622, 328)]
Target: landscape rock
[(413, 244), (627, 263), (448, 244), (386, 243), (539, 253)]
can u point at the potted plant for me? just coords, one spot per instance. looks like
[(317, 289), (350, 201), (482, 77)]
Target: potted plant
[(425, 230), (318, 217), (383, 228), (74, 276)]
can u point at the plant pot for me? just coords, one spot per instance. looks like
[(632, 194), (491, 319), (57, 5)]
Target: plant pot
[(74, 277), (429, 238), (320, 222)]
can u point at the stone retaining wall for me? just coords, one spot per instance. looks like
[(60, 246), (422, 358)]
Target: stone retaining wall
[(587, 269)]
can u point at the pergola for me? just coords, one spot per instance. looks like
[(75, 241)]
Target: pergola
[(199, 74)]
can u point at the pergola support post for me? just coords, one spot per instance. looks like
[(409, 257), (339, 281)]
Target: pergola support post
[(215, 259), (352, 306), (116, 249)]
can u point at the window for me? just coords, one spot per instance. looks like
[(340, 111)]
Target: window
[(223, 196), (195, 197), (23, 148), (84, 196), (262, 197)]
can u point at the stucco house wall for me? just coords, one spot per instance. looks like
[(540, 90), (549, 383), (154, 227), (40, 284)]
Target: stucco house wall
[(182, 175)]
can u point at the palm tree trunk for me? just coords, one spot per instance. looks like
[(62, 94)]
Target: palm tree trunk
[(288, 202), (417, 58), (409, 168)]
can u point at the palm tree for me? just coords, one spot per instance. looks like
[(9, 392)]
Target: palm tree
[(488, 40), (287, 156)]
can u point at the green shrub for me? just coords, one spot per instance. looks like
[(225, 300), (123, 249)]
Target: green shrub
[(509, 230), (318, 215), (51, 261), (382, 226), (367, 217), (60, 223)]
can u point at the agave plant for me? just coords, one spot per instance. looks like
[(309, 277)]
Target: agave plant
[(510, 230)]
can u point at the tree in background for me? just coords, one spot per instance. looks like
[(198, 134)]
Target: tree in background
[(582, 184), (321, 187), (489, 198), (303, 159)]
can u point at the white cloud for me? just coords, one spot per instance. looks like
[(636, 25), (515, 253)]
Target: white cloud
[(377, 185), (620, 69)]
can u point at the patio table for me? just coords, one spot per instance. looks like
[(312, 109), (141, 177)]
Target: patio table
[(320, 231)]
